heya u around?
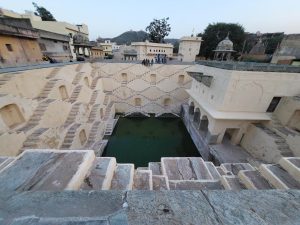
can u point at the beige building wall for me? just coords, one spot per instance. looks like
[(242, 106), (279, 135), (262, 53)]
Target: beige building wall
[(189, 47), (148, 50)]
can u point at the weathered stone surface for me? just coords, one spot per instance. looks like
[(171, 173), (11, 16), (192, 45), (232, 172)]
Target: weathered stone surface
[(100, 175), (160, 183), (169, 207), (278, 177), (155, 167), (123, 177), (253, 180), (142, 180), (213, 170), (54, 221), (4, 161), (195, 185), (234, 168), (292, 166), (256, 207), (46, 170), (232, 183), (185, 168)]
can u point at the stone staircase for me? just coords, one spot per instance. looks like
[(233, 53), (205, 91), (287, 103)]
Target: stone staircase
[(57, 170), (75, 93), (32, 140), (110, 124), (47, 89), (93, 113), (72, 114), (94, 82), (5, 78), (77, 78), (79, 67), (93, 135), (93, 97), (36, 116), (68, 140), (53, 73), (281, 143)]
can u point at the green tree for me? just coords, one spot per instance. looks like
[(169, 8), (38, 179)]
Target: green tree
[(158, 30), (214, 33), (43, 13)]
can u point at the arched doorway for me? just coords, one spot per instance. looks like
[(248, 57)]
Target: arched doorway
[(204, 124), (197, 116), (137, 101), (63, 92), (167, 102), (82, 137), (124, 77), (191, 108), (11, 115)]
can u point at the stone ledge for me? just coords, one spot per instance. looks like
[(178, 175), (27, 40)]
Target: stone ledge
[(152, 207)]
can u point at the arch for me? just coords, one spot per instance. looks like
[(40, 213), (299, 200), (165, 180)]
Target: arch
[(101, 113), (191, 108), (137, 101), (167, 102), (63, 92), (204, 124), (124, 77), (11, 115), (180, 79), (197, 115), (82, 137), (86, 81), (153, 78)]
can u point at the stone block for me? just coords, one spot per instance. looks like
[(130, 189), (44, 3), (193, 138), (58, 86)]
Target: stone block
[(142, 180), (160, 183), (232, 183), (253, 180), (292, 166), (195, 185), (123, 177)]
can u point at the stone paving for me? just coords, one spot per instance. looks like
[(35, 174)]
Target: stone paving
[(151, 207)]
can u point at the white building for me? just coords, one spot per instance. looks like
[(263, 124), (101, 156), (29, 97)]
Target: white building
[(189, 47)]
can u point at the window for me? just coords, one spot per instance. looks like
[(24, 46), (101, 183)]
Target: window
[(275, 101), (9, 47), (63, 92), (11, 115), (42, 47), (82, 137), (138, 101)]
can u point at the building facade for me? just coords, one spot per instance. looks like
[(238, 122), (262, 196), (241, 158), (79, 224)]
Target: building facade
[(18, 43), (189, 47)]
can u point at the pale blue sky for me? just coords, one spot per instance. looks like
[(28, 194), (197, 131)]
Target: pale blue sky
[(111, 17)]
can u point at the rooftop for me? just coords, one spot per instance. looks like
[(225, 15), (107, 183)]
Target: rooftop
[(250, 66)]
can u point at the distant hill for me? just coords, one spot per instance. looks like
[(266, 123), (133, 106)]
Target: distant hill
[(130, 36), (136, 36)]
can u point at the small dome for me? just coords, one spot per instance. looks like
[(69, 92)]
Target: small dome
[(226, 44)]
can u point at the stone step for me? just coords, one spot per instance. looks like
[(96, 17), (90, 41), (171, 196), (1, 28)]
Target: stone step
[(185, 168), (278, 177), (213, 170), (232, 183), (50, 170), (195, 185), (292, 166), (142, 168), (123, 177), (234, 168), (4, 161), (142, 180), (100, 175), (160, 183), (222, 172), (155, 167), (253, 180)]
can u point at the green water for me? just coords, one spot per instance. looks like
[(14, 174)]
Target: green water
[(143, 140)]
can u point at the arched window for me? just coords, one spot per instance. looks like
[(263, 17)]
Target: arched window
[(191, 108), (180, 79), (63, 92), (137, 101), (11, 115), (82, 137), (124, 77), (167, 102)]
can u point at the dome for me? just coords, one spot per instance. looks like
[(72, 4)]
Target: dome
[(226, 45)]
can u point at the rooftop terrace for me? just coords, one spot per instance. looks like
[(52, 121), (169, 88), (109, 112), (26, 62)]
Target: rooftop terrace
[(251, 66)]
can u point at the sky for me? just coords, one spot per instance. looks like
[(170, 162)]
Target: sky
[(110, 18)]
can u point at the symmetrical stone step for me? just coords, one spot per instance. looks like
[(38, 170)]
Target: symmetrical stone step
[(278, 177), (53, 73), (93, 98), (51, 170), (142, 180), (5, 78), (185, 168), (47, 89), (32, 140), (100, 175), (93, 135), (72, 114), (68, 140), (231, 182), (79, 67), (77, 78), (160, 182), (155, 167), (195, 185), (75, 93), (95, 109), (253, 180), (4, 161), (234, 168), (292, 166), (123, 177)]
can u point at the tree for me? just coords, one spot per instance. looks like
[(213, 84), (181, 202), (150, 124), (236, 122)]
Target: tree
[(158, 30), (43, 13), (214, 33)]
